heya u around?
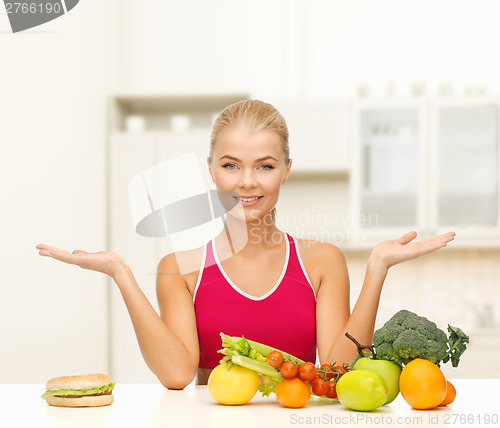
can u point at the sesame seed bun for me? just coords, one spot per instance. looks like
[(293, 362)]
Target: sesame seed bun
[(79, 383), (89, 381)]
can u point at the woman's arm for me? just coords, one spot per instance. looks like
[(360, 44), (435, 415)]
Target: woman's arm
[(169, 344), (360, 324)]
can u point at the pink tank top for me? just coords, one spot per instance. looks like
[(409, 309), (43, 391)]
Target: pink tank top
[(284, 318)]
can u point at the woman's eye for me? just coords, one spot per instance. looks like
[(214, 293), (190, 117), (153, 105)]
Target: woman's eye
[(232, 166)]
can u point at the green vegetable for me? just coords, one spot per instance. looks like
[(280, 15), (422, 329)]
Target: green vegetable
[(257, 366), (457, 345), (246, 347), (69, 392), (407, 336), (252, 355)]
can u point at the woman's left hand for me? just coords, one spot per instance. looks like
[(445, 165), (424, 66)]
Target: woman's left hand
[(394, 251)]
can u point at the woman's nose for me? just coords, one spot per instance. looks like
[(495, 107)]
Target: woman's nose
[(247, 179)]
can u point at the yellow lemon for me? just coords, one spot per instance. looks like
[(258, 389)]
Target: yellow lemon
[(233, 385)]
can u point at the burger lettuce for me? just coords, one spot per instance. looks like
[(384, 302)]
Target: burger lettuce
[(69, 392)]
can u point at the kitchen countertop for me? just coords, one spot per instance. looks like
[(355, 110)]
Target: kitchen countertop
[(152, 406)]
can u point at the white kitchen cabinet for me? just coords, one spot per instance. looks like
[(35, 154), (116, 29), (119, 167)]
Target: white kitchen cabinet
[(428, 165), (464, 168), (390, 156)]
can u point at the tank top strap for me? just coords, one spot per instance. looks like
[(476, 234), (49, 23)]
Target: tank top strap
[(296, 267), (208, 268)]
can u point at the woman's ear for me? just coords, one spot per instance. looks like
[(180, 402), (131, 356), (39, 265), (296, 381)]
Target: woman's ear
[(287, 173)]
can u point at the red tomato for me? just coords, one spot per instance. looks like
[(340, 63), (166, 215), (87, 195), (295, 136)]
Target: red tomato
[(328, 372), (319, 386), (332, 390), (307, 371), (275, 359), (340, 369), (293, 393), (288, 369)]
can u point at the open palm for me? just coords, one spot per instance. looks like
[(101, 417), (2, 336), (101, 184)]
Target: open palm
[(102, 261), (395, 251)]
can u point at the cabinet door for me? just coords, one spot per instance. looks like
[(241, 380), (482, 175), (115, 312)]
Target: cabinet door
[(129, 156), (389, 160), (465, 185)]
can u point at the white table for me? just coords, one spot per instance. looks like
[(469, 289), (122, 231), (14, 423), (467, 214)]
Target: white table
[(152, 406)]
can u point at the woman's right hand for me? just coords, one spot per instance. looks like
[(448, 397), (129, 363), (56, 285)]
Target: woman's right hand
[(102, 261)]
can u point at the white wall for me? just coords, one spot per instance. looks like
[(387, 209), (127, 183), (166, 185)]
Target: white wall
[(53, 80)]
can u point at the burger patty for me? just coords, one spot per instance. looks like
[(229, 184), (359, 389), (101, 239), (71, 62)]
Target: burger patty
[(79, 396)]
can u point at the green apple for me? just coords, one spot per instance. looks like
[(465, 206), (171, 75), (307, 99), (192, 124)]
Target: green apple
[(389, 370), (362, 390)]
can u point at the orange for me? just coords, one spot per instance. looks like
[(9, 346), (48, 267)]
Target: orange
[(451, 393), (293, 393), (422, 384)]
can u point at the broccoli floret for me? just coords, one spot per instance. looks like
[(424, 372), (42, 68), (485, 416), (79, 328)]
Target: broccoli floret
[(389, 334), (410, 344), (385, 351), (407, 336), (436, 351)]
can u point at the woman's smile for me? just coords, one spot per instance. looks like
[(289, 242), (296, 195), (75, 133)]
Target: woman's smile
[(248, 201)]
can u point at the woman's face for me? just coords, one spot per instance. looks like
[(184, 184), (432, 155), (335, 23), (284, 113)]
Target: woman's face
[(251, 167)]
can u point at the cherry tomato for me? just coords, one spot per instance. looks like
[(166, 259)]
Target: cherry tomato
[(288, 369), (319, 386), (293, 392), (328, 372), (332, 390), (307, 371), (275, 359), (340, 369)]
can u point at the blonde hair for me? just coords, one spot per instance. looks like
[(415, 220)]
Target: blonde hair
[(256, 116)]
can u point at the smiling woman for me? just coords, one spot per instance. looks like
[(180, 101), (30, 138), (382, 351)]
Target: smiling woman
[(255, 170), (256, 127), (252, 279)]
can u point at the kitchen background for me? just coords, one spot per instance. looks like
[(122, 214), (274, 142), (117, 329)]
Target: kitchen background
[(393, 109)]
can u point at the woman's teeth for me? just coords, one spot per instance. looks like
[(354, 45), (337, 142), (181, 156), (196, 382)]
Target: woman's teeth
[(248, 199)]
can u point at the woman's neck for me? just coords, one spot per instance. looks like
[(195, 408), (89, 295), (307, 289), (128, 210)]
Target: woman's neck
[(248, 236)]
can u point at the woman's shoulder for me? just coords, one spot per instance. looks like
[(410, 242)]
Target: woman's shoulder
[(320, 259), (183, 262), (316, 252)]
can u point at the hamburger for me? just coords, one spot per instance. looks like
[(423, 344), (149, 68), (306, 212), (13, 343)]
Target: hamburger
[(91, 390)]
